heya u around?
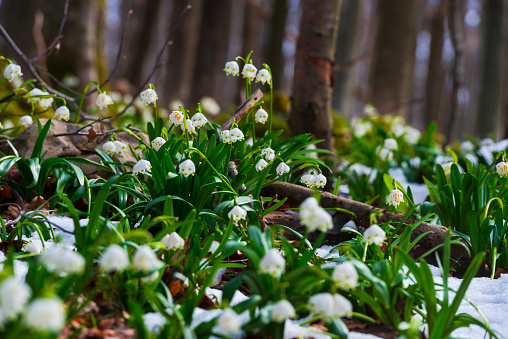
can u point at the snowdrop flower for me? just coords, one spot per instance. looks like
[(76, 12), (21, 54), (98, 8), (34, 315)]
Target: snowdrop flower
[(229, 321), (415, 162), (395, 198), (32, 247), (173, 241), (1, 126), (157, 143), (187, 168), (313, 179), (148, 96), (345, 275), (236, 134), (62, 113), (211, 106), (412, 135), (103, 100), (232, 68), (237, 213), (320, 180), (120, 147), (142, 166), (307, 179), (330, 306), (62, 260), (261, 116), (487, 142), (249, 71), (109, 147), (226, 137), (264, 76), (190, 126), (268, 153), (45, 315), (370, 110), (26, 120), (447, 167), (374, 235), (467, 146), (261, 165), (502, 168), (350, 224), (12, 72), (272, 263), (282, 311), (115, 258), (214, 246), (282, 168), (145, 259), (199, 120), (176, 117), (385, 154), (390, 144), (314, 217), (14, 295)]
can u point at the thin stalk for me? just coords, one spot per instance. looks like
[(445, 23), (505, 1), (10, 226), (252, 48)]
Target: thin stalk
[(80, 106)]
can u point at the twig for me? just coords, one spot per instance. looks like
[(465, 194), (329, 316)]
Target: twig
[(243, 109), (20, 206), (457, 56)]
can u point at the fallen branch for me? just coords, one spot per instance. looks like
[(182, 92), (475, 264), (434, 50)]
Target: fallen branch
[(242, 110)]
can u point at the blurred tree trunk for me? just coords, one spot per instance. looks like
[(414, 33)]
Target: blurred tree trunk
[(394, 59), (252, 24), (182, 53), (313, 79), (212, 50), (489, 113), (275, 56), (435, 75), (17, 17)]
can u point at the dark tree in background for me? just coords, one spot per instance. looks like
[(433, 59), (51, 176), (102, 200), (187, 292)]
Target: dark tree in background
[(313, 78)]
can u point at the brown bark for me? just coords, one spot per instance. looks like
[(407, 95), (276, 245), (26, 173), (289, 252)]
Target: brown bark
[(313, 78), (275, 57), (242, 110), (394, 61)]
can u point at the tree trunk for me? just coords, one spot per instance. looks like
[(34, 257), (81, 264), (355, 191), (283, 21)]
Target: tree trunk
[(489, 113), (212, 50), (313, 78), (275, 57), (393, 66)]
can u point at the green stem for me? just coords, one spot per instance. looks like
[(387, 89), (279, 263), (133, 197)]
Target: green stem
[(365, 251), (195, 150), (80, 106)]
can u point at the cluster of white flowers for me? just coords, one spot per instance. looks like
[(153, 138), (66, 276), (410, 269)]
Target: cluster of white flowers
[(385, 154), (261, 116), (232, 136), (330, 306), (45, 315), (502, 168), (189, 125), (374, 235), (272, 263), (249, 71), (313, 179), (25, 120), (187, 168), (345, 275), (114, 147), (103, 100), (12, 72), (43, 103), (229, 321), (142, 167), (14, 296), (173, 241), (157, 143), (362, 128), (237, 213), (314, 217), (62, 113), (148, 96), (281, 311), (395, 198), (115, 258), (62, 260)]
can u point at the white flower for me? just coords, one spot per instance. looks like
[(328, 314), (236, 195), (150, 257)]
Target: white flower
[(229, 321), (12, 72), (199, 120), (350, 224), (395, 198), (307, 179), (142, 166), (412, 135), (62, 113), (120, 147), (370, 110), (330, 306), (190, 126), (187, 168), (1, 126), (174, 105), (447, 167), (272, 263), (232, 68), (374, 235), (62, 260), (103, 100), (487, 142), (282, 311), (26, 120), (313, 179), (320, 180), (467, 146), (261, 116), (226, 137), (249, 71), (32, 247), (264, 76), (115, 258), (237, 213), (385, 154), (415, 162), (502, 168), (390, 144), (157, 143), (268, 153), (261, 165), (214, 246), (14, 295), (210, 106), (314, 217), (45, 315), (236, 134), (145, 259), (173, 241), (282, 168), (345, 275), (148, 96), (109, 147), (176, 117)]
